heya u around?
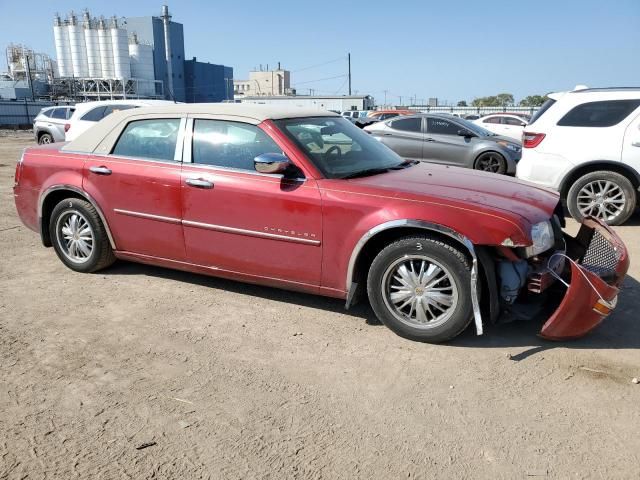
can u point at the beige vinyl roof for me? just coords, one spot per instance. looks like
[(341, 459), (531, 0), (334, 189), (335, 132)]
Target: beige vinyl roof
[(89, 141)]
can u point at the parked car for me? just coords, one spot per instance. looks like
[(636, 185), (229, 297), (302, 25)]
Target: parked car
[(386, 114), (445, 139), (586, 144), (510, 126), (471, 116), (353, 115), (88, 114), (253, 193), (48, 126)]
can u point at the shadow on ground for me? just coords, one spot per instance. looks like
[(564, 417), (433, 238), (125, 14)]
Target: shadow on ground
[(620, 330)]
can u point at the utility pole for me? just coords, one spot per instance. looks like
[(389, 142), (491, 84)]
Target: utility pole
[(400, 100), (28, 68), (385, 97), (349, 62)]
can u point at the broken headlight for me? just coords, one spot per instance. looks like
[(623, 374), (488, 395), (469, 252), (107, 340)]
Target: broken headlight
[(542, 238)]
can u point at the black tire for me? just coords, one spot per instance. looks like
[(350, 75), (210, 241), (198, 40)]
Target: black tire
[(455, 265), (45, 139), (492, 162), (100, 256), (618, 188)]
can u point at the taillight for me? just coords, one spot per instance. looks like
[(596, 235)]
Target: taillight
[(67, 126), (532, 140)]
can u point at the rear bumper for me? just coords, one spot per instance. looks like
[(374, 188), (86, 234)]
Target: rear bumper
[(598, 263)]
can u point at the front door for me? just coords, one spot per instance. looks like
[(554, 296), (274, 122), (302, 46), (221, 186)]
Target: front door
[(265, 228), (138, 188), (631, 144), (442, 144)]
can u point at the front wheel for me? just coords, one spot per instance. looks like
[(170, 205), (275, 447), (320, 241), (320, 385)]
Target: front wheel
[(419, 287), (491, 162), (78, 236), (605, 195)]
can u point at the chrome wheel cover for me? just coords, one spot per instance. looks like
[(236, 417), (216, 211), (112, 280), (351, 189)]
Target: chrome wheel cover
[(419, 291), (45, 140), (602, 199), (75, 236), (490, 162)]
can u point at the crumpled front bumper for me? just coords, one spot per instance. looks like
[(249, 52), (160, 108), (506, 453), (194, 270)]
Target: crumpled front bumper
[(598, 262)]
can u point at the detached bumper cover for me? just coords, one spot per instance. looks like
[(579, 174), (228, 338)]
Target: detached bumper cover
[(599, 263)]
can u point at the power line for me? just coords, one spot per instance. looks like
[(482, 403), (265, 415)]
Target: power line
[(318, 65), (321, 79)]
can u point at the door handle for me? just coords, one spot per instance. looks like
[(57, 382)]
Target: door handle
[(100, 170), (635, 144), (429, 140), (199, 183)]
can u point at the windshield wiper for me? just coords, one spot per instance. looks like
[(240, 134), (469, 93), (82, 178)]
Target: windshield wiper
[(405, 164), (365, 173)]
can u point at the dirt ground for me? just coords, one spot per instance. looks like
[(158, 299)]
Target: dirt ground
[(226, 380)]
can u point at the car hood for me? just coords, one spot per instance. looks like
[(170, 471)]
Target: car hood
[(472, 188)]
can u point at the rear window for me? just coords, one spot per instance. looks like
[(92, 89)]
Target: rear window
[(60, 113), (599, 114), (407, 124), (545, 106), (94, 115)]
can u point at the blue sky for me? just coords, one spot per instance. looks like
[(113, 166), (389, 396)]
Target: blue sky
[(453, 50)]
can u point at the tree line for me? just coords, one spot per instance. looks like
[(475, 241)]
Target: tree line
[(505, 100)]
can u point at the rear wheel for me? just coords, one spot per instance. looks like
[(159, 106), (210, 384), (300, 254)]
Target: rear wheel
[(491, 162), (78, 236), (605, 195), (419, 288), (45, 139)]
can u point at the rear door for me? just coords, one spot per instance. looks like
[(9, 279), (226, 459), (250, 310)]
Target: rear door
[(137, 185), (442, 144), (405, 137)]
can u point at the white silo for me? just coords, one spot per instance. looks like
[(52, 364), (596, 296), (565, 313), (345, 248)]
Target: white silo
[(106, 50), (63, 50), (93, 49), (119, 43), (78, 48), (141, 57)]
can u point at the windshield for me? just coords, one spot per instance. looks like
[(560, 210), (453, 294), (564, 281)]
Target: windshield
[(337, 147)]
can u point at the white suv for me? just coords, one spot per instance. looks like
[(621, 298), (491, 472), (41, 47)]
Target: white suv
[(586, 144)]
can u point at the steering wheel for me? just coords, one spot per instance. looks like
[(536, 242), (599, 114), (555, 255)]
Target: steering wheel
[(334, 150)]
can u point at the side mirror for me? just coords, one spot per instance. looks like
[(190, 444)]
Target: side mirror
[(272, 163), (463, 132)]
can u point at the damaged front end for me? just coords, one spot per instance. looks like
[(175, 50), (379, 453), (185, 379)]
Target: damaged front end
[(574, 285)]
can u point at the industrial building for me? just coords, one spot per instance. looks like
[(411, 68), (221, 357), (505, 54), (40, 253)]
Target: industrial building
[(264, 83), (115, 58), (337, 103)]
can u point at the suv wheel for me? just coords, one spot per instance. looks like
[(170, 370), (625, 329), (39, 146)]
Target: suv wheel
[(491, 162), (605, 195), (45, 138), (78, 236), (419, 288)]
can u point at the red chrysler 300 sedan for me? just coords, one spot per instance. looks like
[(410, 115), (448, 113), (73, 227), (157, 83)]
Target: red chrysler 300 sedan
[(305, 200)]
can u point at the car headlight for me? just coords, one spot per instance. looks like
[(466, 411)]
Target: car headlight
[(542, 238), (509, 146)]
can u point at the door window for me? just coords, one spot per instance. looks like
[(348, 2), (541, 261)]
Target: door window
[(440, 126), (599, 114), (229, 144), (94, 115), (153, 139), (491, 120), (413, 124), (512, 121)]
